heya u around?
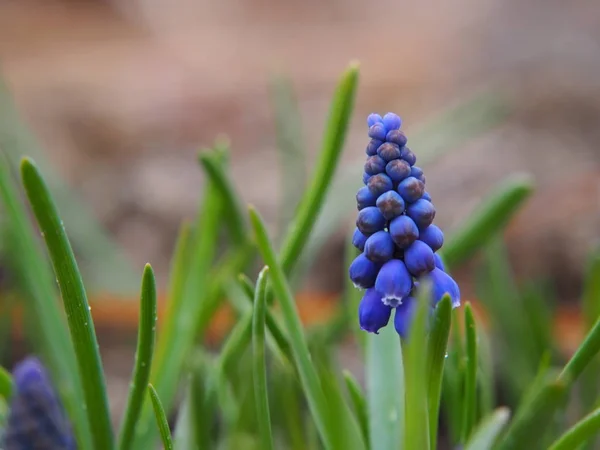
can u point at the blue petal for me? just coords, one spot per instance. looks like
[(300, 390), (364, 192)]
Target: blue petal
[(359, 239), (372, 313), (441, 284), (422, 212), (411, 189), (404, 316), (373, 119), (396, 137), (389, 151), (364, 198), (418, 258), (392, 121), (404, 231), (380, 183), (409, 156), (432, 236), (375, 164), (438, 262), (377, 131), (370, 220), (397, 170), (363, 272), (372, 147), (379, 247), (393, 282), (390, 204)]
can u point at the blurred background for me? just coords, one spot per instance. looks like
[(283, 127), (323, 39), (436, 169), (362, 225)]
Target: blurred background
[(120, 96)]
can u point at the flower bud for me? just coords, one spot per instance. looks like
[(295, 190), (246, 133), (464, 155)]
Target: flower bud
[(374, 165), (370, 220), (441, 284), (379, 247), (363, 272), (396, 137), (404, 316), (418, 258), (393, 282), (408, 156), (392, 121), (364, 198), (397, 170), (377, 131), (359, 239), (404, 231), (432, 236), (372, 147), (390, 204), (389, 151), (372, 313), (422, 212), (439, 263), (380, 183), (411, 189), (373, 119)]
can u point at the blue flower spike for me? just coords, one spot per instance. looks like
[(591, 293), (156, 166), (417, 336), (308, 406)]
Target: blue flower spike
[(395, 233)]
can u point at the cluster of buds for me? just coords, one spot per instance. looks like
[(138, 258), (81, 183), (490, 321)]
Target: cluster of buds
[(395, 232)]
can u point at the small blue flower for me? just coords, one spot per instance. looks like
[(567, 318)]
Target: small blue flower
[(411, 189), (359, 239), (377, 131), (364, 198), (388, 151), (403, 318), (390, 204), (432, 236), (370, 220), (396, 137), (380, 183), (393, 282), (408, 156), (397, 170), (373, 119), (372, 147), (372, 313), (442, 283), (379, 247), (438, 262), (404, 231), (36, 419), (363, 272), (374, 165), (422, 212), (419, 259)]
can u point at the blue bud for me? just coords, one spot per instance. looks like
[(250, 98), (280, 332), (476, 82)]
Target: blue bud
[(411, 189), (377, 131), (432, 236), (374, 165), (366, 177), (404, 316), (397, 170), (441, 283), (359, 239), (418, 258), (390, 204), (438, 262), (372, 147), (373, 119), (364, 198), (396, 137), (372, 313), (403, 231), (389, 151), (363, 272), (370, 220), (379, 247), (393, 282), (417, 172), (422, 212), (425, 196), (380, 183), (408, 156), (392, 121)]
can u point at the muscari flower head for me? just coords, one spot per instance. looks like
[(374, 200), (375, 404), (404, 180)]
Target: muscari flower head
[(395, 233), (36, 419)]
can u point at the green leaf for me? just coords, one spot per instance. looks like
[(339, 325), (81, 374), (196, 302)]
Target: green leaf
[(281, 289), (6, 384), (46, 327), (143, 358), (453, 381), (486, 376), (584, 354), (331, 149), (591, 292), (161, 418), (75, 302), (259, 367), (416, 434), (436, 357), (359, 404), (492, 215), (487, 432), (579, 433), (470, 393), (247, 286)]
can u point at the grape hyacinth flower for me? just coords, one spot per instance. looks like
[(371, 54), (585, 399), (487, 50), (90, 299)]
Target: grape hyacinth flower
[(395, 232), (36, 419)]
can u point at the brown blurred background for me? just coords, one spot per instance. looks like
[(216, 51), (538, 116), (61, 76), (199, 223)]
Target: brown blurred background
[(122, 95)]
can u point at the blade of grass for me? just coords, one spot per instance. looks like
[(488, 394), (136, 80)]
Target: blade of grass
[(161, 419), (308, 376), (579, 433), (247, 286), (46, 327), (486, 375), (143, 358), (331, 149), (259, 363), (583, 355), (437, 346), (487, 432), (75, 302), (491, 216), (6, 384), (470, 393), (453, 381), (416, 431), (591, 292), (358, 403)]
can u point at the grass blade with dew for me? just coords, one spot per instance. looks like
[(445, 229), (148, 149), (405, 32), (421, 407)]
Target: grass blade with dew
[(486, 433), (76, 305), (470, 392), (491, 216), (416, 430), (6, 384), (288, 131), (143, 358), (437, 347), (306, 370), (579, 433), (161, 419), (259, 366), (359, 403), (331, 149)]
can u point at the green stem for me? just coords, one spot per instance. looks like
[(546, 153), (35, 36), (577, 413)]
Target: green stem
[(358, 403), (470, 403), (582, 357), (161, 419), (579, 433)]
